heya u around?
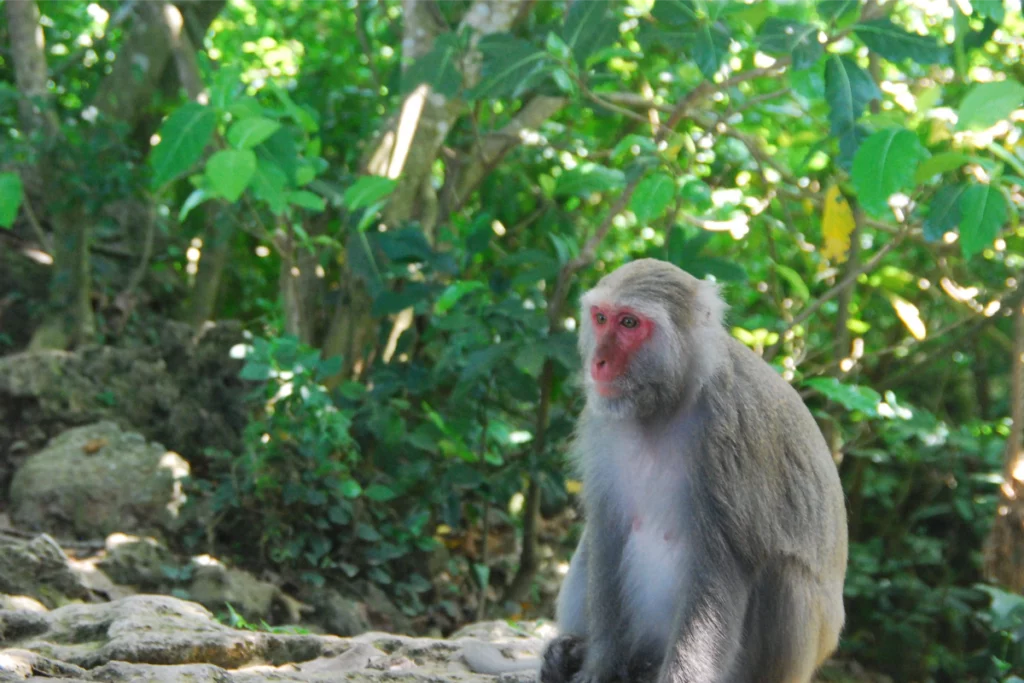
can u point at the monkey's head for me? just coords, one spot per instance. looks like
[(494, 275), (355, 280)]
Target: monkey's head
[(648, 334)]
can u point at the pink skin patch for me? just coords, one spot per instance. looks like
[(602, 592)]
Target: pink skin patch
[(620, 332)]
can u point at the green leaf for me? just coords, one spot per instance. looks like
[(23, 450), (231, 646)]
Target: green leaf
[(380, 493), (197, 197), (787, 37), (366, 191), (255, 371), (850, 396), (268, 183), (11, 194), (307, 200), (652, 197), (896, 44), (350, 488), (943, 212), (796, 283), (508, 63), (589, 27), (831, 10), (389, 302), (530, 359), (885, 164), (454, 292), (990, 9), (982, 216), (848, 89), (183, 137), (676, 12), (720, 269), (229, 171), (588, 178), (439, 68), (710, 48), (248, 133), (849, 143), (938, 164), (988, 103)]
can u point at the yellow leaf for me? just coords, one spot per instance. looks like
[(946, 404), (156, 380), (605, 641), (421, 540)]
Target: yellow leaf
[(836, 225), (573, 486), (910, 316)]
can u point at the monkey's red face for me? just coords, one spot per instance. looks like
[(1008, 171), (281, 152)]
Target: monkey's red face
[(619, 332)]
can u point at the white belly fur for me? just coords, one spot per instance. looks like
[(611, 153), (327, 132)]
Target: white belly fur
[(654, 557), (652, 573)]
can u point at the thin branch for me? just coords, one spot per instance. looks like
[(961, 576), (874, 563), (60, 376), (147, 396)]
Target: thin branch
[(44, 240)]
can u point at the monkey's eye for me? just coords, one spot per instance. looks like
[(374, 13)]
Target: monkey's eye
[(629, 322), (600, 318)]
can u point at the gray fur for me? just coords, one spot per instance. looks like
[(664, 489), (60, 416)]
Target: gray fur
[(708, 448)]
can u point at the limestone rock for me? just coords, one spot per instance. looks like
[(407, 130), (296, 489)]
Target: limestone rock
[(148, 638), (94, 480), (39, 569)]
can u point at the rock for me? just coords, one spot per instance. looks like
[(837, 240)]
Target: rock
[(179, 390), (337, 614), (21, 602), (215, 587), (136, 561), (39, 569), (94, 480), (149, 638)]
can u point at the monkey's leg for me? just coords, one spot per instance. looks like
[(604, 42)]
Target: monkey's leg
[(789, 629)]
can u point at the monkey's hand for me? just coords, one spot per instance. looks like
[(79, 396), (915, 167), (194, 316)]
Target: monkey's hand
[(563, 659)]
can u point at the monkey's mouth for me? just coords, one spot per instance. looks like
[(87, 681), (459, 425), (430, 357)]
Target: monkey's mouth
[(606, 389)]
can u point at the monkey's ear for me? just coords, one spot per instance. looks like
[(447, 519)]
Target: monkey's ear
[(710, 305)]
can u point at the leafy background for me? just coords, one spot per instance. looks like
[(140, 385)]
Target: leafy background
[(402, 202)]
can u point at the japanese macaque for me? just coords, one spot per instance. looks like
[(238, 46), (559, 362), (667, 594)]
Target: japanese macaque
[(715, 541)]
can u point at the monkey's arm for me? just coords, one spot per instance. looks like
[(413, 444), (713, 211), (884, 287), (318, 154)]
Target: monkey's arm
[(709, 628), (607, 654)]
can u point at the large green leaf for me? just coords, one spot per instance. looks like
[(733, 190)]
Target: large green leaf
[(987, 103), (248, 133), (588, 178), (990, 9), (787, 37), (366, 191), (982, 216), (940, 163), (831, 10), (885, 164), (589, 27), (710, 48), (10, 198), (943, 212), (652, 197), (676, 12), (848, 89), (268, 185), (508, 64), (850, 396), (896, 44), (183, 137), (439, 68), (229, 171)]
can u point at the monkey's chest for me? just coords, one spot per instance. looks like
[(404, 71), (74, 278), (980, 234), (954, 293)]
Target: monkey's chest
[(653, 568)]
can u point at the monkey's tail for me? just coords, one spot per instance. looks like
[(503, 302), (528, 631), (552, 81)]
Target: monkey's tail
[(484, 658)]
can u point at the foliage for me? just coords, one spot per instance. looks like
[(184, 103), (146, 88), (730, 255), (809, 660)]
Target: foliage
[(850, 173)]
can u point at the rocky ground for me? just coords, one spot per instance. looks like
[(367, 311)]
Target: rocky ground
[(154, 638)]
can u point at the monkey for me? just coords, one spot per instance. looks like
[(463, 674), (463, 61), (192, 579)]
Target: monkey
[(714, 546)]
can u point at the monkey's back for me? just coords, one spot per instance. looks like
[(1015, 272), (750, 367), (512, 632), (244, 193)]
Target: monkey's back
[(784, 480)]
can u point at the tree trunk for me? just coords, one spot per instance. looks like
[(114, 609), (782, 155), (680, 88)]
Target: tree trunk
[(1004, 550), (27, 49), (211, 265)]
